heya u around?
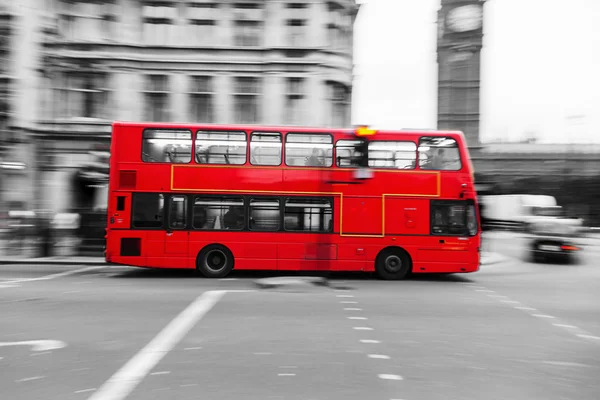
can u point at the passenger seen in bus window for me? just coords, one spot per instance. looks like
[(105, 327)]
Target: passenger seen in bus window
[(316, 159), (234, 218)]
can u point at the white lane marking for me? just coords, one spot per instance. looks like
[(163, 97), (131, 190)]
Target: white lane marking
[(8, 285), (390, 377), (484, 291), (54, 276), (193, 348), (40, 354), (362, 328), (525, 308), (286, 374), (37, 345), (369, 341), (349, 302), (125, 380), (161, 373), (228, 279), (344, 296), (352, 309), (379, 356), (33, 378), (574, 330), (358, 318), (584, 336), (85, 390), (543, 316), (189, 385), (566, 326)]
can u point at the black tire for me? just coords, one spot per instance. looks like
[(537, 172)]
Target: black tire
[(393, 264), (215, 261)]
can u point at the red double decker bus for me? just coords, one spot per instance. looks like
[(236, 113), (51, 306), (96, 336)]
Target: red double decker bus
[(218, 198)]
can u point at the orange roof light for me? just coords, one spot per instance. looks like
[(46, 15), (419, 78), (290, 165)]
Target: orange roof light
[(365, 131)]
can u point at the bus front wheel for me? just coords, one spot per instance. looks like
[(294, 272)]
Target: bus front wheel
[(214, 261), (393, 264)]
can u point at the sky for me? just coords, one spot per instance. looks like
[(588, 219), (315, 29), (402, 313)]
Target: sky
[(540, 68)]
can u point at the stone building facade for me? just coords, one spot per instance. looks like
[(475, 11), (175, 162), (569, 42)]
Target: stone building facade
[(83, 64)]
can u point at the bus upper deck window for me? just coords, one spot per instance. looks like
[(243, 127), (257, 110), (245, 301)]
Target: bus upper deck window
[(439, 153)]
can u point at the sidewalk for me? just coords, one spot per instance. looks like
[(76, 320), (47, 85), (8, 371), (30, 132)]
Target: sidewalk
[(486, 259), (54, 260)]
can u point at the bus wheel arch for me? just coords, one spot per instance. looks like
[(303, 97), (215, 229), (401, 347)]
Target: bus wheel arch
[(215, 261), (393, 263)]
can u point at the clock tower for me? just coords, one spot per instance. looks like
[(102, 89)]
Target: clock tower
[(460, 38)]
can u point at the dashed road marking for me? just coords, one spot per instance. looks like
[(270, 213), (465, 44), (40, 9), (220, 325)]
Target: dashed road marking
[(161, 373), (286, 374), (535, 313), (85, 390), (525, 308), (390, 377), (370, 341), (188, 385), (565, 326), (585, 336), (352, 309), (33, 378), (349, 302), (379, 356), (344, 296), (362, 328), (193, 348), (358, 318)]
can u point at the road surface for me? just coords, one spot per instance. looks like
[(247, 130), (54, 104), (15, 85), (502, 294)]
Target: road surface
[(514, 330)]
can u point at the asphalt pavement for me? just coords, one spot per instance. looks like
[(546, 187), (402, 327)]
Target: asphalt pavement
[(513, 330)]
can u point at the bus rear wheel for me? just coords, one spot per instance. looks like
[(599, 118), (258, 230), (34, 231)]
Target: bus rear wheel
[(215, 261), (393, 264)]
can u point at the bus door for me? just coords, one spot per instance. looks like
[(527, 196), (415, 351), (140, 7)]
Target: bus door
[(176, 236)]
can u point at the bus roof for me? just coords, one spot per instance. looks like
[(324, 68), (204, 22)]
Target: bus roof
[(281, 128)]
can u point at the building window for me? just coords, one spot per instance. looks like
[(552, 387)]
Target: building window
[(157, 98), (295, 101), (264, 214), (219, 213), (340, 104), (147, 210), (296, 6), (202, 21), (265, 148), (392, 154), (82, 95), (86, 20), (308, 215), (219, 147), (201, 99), (309, 149), (178, 212), (248, 33), (159, 23), (168, 146), (247, 95), (296, 32)]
